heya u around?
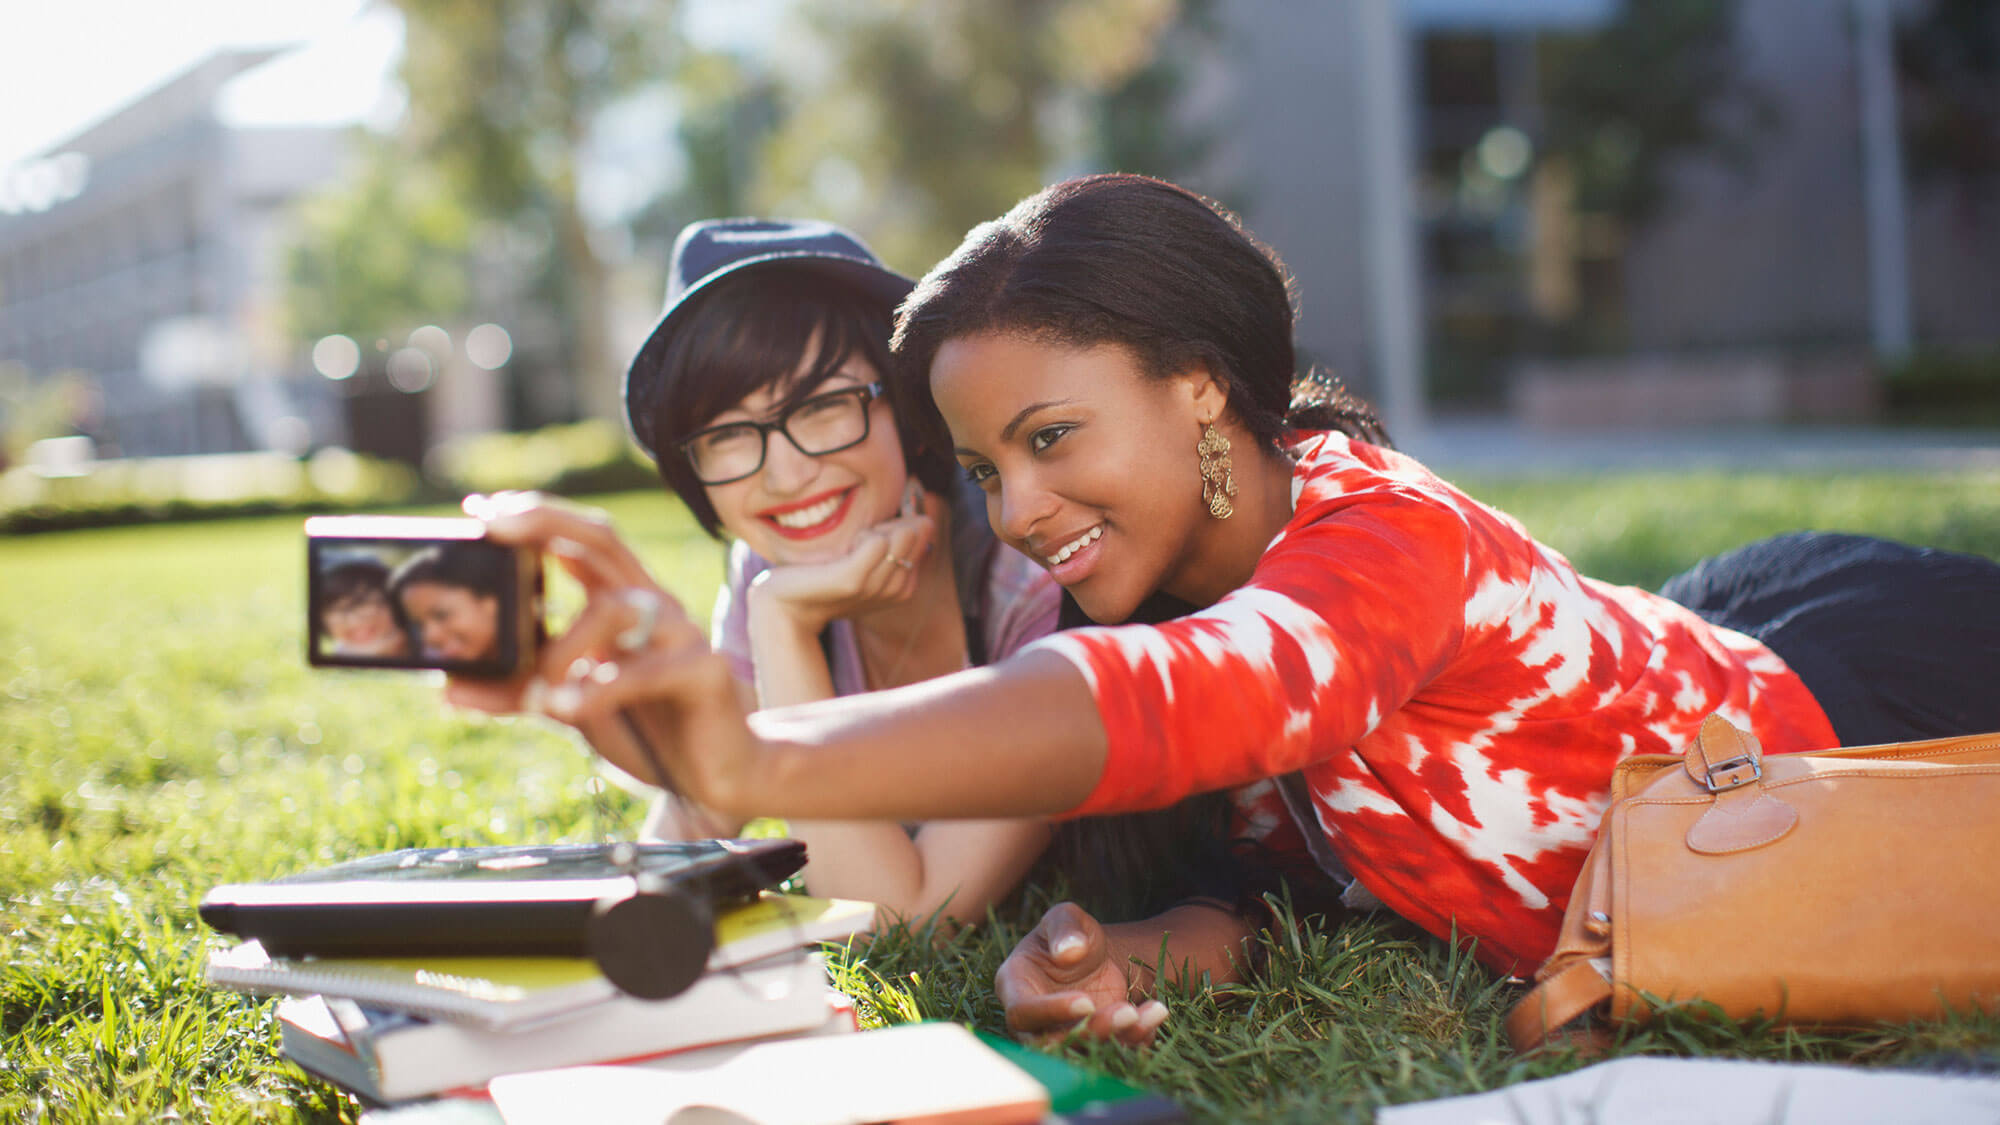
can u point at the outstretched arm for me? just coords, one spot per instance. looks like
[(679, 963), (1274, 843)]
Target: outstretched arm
[(1015, 742), (1020, 738)]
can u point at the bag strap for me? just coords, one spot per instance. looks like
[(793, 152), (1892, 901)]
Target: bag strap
[(1724, 756), (1539, 1016)]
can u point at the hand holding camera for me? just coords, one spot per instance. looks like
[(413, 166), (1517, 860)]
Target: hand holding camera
[(631, 671)]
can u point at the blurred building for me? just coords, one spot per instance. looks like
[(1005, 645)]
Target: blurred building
[(142, 254), (1753, 274)]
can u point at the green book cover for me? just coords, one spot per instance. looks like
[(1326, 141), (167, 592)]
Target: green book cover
[(1079, 1094)]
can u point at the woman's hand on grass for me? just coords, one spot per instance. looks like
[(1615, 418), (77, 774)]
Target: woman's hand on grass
[(1062, 977)]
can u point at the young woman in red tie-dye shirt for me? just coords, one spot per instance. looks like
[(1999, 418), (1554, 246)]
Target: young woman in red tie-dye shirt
[(1394, 684)]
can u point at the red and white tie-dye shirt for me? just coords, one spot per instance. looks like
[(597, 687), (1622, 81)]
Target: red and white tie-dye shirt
[(1454, 693)]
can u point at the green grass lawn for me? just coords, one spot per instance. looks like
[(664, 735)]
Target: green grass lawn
[(161, 734)]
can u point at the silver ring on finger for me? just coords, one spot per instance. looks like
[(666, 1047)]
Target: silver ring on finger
[(902, 562), (645, 606)]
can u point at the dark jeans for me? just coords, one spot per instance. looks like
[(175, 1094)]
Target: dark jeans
[(1895, 642)]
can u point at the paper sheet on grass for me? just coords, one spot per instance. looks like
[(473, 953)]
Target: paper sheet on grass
[(1647, 1091)]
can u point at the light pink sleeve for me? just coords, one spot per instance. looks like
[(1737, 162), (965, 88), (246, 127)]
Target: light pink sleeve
[(729, 624), (1024, 602)]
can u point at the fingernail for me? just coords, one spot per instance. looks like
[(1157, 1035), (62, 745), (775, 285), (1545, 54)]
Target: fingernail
[(477, 506), (1123, 1018), (1151, 1015), (563, 700), (1067, 945), (1082, 1008)]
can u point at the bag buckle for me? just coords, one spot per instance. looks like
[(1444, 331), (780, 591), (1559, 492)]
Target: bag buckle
[(1728, 774)]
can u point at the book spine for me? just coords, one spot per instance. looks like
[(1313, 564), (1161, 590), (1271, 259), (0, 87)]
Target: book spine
[(722, 1008)]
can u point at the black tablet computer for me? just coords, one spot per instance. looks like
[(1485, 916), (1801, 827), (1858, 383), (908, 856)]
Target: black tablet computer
[(530, 899)]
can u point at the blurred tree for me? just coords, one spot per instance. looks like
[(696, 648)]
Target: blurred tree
[(915, 119), (728, 106), (1949, 62), (1143, 123), (1660, 81), (380, 255), (503, 98)]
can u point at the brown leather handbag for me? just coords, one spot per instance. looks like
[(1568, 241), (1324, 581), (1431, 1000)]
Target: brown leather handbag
[(1839, 888)]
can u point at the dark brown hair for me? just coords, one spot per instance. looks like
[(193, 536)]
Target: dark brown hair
[(751, 330), (1136, 262)]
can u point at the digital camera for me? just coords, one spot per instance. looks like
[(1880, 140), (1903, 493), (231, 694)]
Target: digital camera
[(420, 592)]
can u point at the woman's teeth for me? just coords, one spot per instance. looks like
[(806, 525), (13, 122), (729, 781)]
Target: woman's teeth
[(809, 517), (1075, 545)]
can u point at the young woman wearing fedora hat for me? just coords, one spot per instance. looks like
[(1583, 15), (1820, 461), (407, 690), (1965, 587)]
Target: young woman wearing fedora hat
[(1386, 677), (858, 560)]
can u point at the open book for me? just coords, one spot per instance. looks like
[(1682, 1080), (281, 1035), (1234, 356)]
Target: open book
[(928, 1072)]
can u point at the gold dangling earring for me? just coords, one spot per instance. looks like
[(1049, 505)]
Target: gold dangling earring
[(1217, 486)]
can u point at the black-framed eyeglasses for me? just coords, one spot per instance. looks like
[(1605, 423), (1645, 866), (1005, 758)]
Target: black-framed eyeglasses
[(822, 424)]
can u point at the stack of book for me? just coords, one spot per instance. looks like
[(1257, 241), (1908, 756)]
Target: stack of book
[(460, 976), (396, 1028)]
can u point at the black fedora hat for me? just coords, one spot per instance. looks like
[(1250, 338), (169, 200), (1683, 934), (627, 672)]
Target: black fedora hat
[(710, 250)]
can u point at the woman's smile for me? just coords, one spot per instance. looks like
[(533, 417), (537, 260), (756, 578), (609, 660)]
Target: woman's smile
[(811, 517), (1076, 559), (456, 623)]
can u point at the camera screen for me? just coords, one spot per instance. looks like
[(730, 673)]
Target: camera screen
[(411, 601)]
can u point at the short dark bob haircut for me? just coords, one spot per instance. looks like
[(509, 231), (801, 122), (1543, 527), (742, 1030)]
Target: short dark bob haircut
[(1137, 262), (750, 331), (355, 578)]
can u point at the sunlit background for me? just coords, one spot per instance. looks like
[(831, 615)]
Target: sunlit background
[(301, 237)]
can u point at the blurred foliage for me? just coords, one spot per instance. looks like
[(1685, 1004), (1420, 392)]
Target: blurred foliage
[(1945, 388), (572, 459), (1664, 79), (728, 107), (381, 255), (910, 121), (1948, 60), (588, 456), (923, 118), (503, 102), (1141, 123), (153, 490), (31, 410)]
